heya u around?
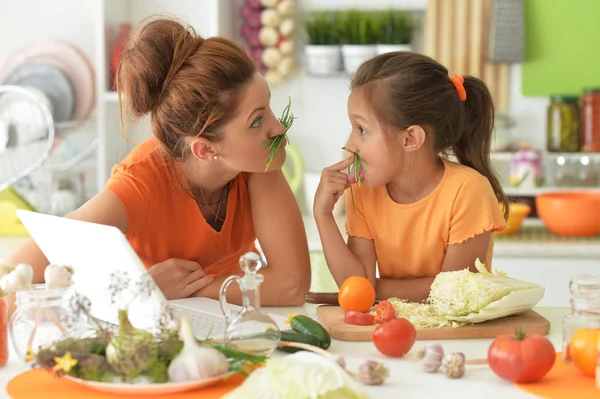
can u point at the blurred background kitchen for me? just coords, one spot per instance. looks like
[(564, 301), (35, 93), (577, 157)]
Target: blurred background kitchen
[(59, 122)]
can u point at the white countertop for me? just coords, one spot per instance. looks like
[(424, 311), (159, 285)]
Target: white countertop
[(406, 379)]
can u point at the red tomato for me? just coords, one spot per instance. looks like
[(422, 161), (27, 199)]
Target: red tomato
[(395, 338), (358, 318), (521, 357), (385, 312)]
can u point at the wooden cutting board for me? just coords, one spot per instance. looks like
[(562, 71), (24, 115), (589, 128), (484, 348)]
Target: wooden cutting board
[(332, 319)]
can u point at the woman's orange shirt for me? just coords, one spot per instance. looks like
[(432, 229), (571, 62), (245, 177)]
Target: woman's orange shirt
[(165, 222), (411, 240)]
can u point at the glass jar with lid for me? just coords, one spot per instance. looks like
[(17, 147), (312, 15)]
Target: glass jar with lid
[(585, 308), (563, 124), (590, 121), (588, 175), (43, 317), (564, 173)]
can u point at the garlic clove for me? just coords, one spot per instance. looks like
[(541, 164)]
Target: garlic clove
[(195, 361), (286, 27), (270, 17), (372, 373), (286, 47), (286, 8), (268, 36), (273, 78), (271, 57), (453, 365), (19, 279), (269, 3), (57, 276), (285, 66)]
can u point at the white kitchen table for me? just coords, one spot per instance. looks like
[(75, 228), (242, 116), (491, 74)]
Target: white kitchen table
[(406, 379)]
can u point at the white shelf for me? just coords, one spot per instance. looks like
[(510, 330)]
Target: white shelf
[(531, 192), (507, 156)]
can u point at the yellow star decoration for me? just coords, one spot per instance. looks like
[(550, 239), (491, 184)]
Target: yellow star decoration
[(64, 363), (289, 318), (29, 356)]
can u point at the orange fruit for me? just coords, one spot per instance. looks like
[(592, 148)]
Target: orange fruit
[(357, 294)]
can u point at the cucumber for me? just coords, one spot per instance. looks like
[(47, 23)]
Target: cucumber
[(293, 336), (305, 325)]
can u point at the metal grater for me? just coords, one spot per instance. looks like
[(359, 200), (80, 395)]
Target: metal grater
[(506, 42)]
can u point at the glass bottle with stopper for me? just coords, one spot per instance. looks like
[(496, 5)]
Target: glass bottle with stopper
[(251, 330)]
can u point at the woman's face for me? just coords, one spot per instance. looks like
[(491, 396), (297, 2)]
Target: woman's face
[(381, 159), (245, 144)]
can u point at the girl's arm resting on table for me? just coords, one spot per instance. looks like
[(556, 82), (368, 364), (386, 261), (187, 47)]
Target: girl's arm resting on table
[(356, 258), (280, 230), (458, 257)]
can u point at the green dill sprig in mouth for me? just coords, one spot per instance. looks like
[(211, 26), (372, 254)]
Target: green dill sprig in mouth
[(274, 144), (356, 166)]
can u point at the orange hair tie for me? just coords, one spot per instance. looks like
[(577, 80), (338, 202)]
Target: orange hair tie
[(457, 81)]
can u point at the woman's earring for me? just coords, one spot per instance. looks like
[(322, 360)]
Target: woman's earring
[(215, 157)]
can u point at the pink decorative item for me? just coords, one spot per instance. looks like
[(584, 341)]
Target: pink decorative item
[(68, 57), (526, 169), (250, 34)]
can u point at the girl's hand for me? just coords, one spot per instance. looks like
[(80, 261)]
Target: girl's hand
[(179, 278), (334, 181)]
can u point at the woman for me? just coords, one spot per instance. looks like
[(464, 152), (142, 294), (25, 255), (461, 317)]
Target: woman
[(195, 197)]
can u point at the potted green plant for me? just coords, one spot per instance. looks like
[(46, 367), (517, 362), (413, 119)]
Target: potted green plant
[(395, 30), (357, 31), (322, 51)]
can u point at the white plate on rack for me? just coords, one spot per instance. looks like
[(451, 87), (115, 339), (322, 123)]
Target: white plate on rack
[(147, 388)]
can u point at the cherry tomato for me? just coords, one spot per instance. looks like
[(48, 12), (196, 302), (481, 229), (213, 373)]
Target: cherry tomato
[(356, 293), (521, 357), (358, 318), (385, 312), (584, 350), (395, 338)]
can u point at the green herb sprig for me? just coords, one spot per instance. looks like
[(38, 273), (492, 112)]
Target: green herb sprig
[(274, 144), (357, 166)]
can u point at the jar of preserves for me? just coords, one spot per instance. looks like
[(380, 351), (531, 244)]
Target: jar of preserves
[(563, 124), (590, 126)]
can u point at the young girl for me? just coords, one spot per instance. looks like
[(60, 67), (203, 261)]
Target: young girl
[(195, 197), (414, 213)]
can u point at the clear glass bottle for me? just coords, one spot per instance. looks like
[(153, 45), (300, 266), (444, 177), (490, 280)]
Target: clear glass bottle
[(43, 317), (251, 330), (3, 331), (585, 308)]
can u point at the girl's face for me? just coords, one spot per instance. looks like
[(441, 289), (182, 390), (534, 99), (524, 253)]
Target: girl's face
[(381, 158), (246, 138)]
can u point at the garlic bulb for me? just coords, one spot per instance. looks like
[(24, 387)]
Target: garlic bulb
[(268, 3), (271, 57), (372, 373), (285, 8), (454, 365), (286, 27), (268, 36), (285, 66), (58, 277), (269, 17), (273, 78), (432, 358), (286, 47), (17, 280), (195, 361)]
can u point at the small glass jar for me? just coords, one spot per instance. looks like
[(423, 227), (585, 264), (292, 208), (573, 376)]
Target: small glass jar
[(585, 308), (590, 117), (564, 175), (43, 317), (3, 331), (588, 175), (563, 124)]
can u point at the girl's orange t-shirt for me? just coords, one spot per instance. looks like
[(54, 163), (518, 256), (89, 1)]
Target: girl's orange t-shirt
[(411, 240), (164, 222)]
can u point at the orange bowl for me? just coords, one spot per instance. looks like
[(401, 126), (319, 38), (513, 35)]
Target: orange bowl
[(517, 213), (571, 214)]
